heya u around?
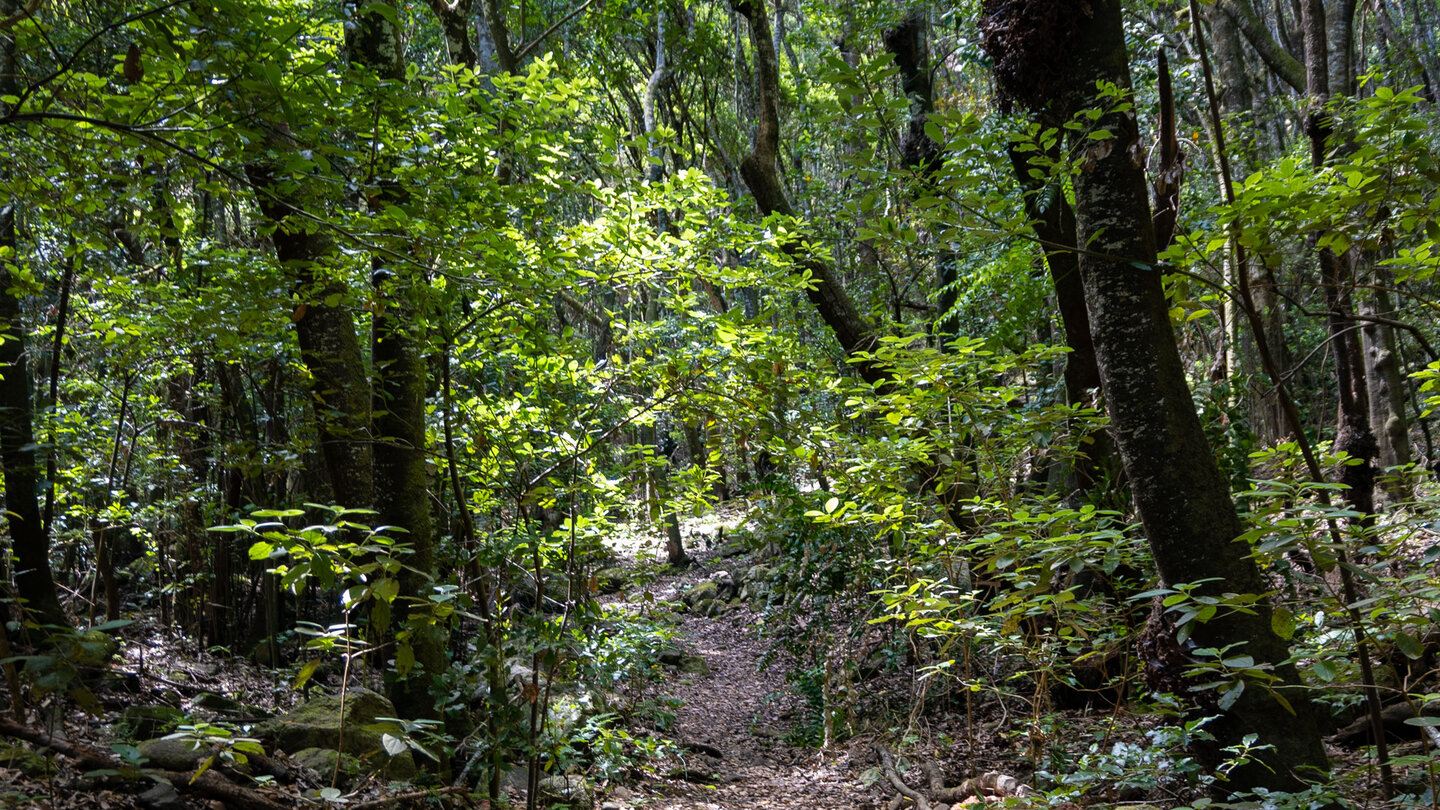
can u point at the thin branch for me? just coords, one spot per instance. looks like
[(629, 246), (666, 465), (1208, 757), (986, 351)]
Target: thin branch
[(529, 46)]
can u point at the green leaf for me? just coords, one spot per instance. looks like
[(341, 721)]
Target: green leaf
[(386, 590), (1324, 671), (1282, 622), (394, 746), (306, 672), (204, 766), (113, 625), (1409, 645), (1229, 696)]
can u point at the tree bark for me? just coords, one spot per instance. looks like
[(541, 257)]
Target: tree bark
[(1183, 499), (329, 345), (854, 333), (921, 154), (29, 539), (1052, 219), (1271, 51), (1386, 386), (1353, 434), (402, 495)]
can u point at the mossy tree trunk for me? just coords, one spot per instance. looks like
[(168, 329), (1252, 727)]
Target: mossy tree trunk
[(399, 384), (1183, 499)]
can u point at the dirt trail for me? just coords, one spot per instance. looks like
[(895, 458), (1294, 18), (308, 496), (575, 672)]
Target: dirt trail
[(746, 712)]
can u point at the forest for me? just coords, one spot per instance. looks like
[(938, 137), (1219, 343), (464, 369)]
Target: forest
[(734, 404)]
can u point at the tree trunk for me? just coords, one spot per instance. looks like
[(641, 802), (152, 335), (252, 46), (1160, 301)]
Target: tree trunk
[(1386, 386), (29, 540), (853, 332), (329, 345), (1353, 434), (1052, 219), (402, 495), (1183, 499)]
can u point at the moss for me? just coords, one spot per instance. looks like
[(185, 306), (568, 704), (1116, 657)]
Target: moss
[(317, 724)]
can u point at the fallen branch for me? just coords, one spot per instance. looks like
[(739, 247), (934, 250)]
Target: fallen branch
[(414, 795), (701, 748), (209, 784), (991, 783), (887, 763)]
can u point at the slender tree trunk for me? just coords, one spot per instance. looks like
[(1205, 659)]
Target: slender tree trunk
[(1052, 219), (758, 169), (662, 509), (34, 582), (1353, 434)]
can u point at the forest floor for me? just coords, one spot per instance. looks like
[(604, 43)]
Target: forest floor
[(745, 736), (743, 710)]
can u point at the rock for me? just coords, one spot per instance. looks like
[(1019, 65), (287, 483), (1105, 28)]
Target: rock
[(323, 760), (177, 754), (522, 677), (28, 762), (145, 722), (703, 591), (724, 581), (317, 724), (574, 791), (759, 585), (516, 778), (218, 703), (734, 548), (694, 665), (163, 796), (611, 580), (704, 607)]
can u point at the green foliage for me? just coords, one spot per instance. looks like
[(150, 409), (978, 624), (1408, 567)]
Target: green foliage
[(225, 744)]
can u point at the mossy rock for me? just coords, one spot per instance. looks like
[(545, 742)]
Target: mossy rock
[(703, 591), (218, 703), (693, 665), (573, 791), (611, 580), (323, 760), (317, 724), (31, 763), (144, 722), (178, 754)]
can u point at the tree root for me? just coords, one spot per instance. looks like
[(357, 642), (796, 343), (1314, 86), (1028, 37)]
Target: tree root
[(992, 783), (414, 795), (209, 784)]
